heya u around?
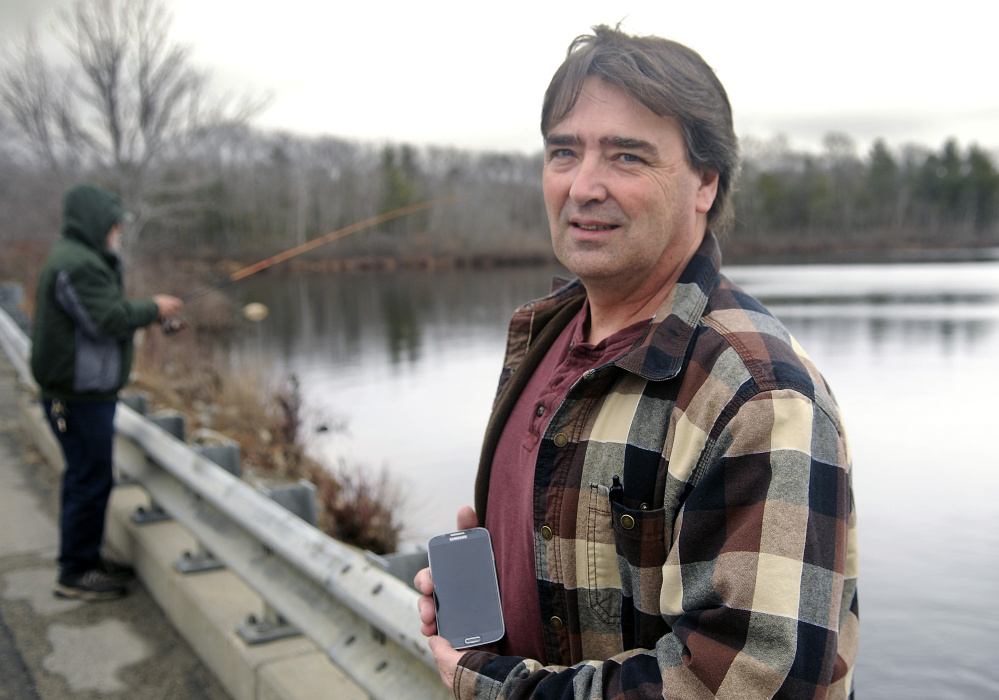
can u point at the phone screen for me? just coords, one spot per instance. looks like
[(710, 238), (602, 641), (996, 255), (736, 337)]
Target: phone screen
[(466, 591)]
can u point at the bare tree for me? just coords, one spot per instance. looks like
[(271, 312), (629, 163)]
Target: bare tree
[(37, 99), (130, 101)]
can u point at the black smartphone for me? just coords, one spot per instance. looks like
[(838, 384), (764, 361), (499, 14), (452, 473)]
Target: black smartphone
[(466, 591)]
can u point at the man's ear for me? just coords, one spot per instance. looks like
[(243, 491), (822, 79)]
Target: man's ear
[(707, 192)]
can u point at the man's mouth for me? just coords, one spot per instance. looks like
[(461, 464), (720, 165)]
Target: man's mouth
[(586, 226)]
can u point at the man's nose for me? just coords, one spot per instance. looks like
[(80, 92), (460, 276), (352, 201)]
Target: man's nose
[(588, 184)]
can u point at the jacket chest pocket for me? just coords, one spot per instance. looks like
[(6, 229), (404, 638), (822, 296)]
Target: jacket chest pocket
[(624, 562), (641, 553)]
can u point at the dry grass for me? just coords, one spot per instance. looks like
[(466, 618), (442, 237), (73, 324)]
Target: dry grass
[(266, 419)]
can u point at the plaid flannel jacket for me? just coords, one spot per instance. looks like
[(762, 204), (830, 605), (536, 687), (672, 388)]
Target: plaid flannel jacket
[(694, 523)]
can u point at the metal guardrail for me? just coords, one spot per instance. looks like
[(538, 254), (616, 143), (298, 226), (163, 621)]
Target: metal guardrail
[(363, 617), (15, 343)]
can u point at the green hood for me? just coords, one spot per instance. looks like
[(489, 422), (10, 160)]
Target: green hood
[(88, 214)]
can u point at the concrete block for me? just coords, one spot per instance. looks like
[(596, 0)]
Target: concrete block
[(307, 677)]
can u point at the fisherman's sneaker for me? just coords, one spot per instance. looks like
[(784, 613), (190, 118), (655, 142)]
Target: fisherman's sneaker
[(94, 584), (117, 571)]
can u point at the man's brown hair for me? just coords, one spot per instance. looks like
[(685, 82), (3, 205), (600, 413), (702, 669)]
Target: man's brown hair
[(670, 79)]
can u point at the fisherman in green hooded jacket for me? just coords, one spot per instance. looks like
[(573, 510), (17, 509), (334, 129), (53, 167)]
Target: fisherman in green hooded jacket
[(81, 357)]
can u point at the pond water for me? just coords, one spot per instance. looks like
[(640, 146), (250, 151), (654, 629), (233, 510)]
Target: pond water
[(409, 363)]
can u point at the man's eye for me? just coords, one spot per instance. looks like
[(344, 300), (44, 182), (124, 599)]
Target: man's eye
[(561, 153), (629, 158)]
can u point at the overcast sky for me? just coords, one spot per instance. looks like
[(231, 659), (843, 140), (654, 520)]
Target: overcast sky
[(473, 74)]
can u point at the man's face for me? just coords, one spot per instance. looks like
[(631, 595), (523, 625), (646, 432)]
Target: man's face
[(625, 208), (113, 242)]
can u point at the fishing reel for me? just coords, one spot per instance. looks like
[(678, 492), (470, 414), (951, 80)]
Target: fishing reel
[(173, 325)]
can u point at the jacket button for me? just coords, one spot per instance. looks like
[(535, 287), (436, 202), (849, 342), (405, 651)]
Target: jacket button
[(556, 622), (541, 411), (627, 522), (546, 532), (560, 439)]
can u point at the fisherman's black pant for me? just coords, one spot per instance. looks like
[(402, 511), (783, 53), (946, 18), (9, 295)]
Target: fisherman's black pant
[(85, 430)]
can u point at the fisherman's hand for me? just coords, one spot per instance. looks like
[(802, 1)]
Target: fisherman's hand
[(167, 305), (424, 583)]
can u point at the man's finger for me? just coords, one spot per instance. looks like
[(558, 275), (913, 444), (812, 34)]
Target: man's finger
[(467, 518), (446, 658), (423, 582), (428, 615)]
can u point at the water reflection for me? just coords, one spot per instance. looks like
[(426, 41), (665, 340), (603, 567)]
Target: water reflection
[(424, 348), (411, 361)]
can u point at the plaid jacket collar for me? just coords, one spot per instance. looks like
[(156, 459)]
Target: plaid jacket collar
[(658, 354)]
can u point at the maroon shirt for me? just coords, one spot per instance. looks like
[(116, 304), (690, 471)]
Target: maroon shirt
[(510, 518)]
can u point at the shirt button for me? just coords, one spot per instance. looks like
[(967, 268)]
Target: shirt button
[(541, 411), (546, 532), (627, 522), (556, 622), (560, 439)]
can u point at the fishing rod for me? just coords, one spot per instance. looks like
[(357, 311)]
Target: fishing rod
[(174, 325)]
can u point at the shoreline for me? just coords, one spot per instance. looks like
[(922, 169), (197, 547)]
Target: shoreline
[(733, 254)]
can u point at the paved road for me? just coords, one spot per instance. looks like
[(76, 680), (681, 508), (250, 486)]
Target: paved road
[(54, 649)]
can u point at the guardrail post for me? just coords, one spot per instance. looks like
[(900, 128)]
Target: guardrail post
[(222, 450), (197, 561), (170, 420), (300, 499), (269, 628), (173, 422), (138, 401)]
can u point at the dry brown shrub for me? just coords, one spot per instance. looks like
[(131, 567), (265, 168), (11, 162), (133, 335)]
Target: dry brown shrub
[(361, 506), (244, 403)]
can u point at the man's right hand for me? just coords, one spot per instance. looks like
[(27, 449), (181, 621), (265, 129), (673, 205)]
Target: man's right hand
[(444, 654), (167, 305)]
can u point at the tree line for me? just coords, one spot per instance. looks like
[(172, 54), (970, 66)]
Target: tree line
[(888, 197), (132, 112)]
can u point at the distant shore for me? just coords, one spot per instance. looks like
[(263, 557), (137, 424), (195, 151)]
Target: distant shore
[(734, 253)]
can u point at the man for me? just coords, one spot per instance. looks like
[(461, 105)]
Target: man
[(665, 473), (81, 357)]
